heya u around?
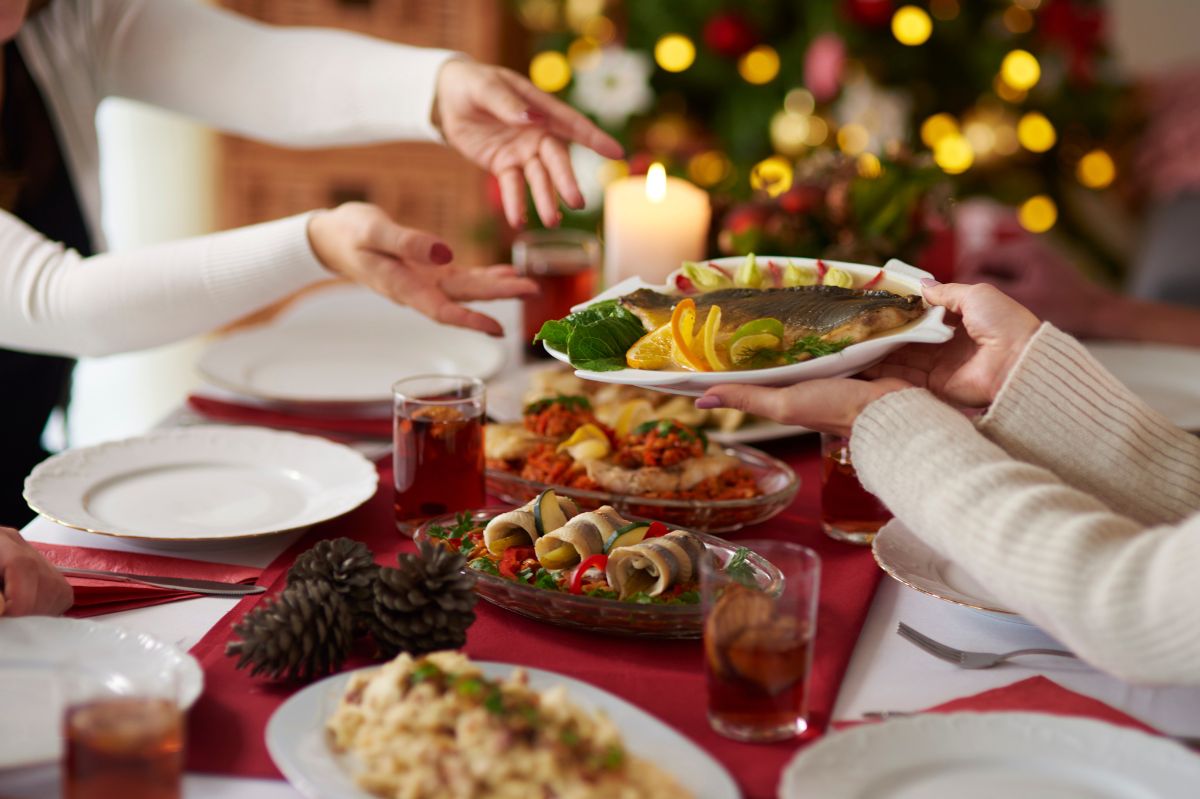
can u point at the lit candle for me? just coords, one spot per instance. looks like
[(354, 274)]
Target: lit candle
[(651, 225)]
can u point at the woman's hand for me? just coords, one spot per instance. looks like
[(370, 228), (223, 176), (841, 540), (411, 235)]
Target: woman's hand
[(828, 406), (30, 584), (517, 132), (360, 242), (969, 369)]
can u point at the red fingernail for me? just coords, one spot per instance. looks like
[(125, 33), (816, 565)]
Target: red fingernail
[(440, 254), (533, 116)]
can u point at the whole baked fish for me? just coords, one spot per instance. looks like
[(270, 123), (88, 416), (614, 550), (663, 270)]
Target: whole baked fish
[(831, 312)]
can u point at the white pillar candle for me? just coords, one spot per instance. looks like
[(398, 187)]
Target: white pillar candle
[(651, 224)]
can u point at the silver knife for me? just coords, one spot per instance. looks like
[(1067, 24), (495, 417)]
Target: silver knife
[(213, 587), (883, 715)]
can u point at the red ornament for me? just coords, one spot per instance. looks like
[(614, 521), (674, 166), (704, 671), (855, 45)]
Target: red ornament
[(875, 13), (640, 162), (728, 34), (1078, 30)]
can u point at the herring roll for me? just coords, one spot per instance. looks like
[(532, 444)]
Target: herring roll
[(519, 527), (692, 545), (582, 536), (652, 566)]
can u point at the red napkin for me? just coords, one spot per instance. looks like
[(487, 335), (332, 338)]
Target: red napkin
[(95, 597), (371, 426)]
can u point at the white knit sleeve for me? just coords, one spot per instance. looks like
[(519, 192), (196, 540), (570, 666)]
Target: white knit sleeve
[(298, 87), (1122, 595), (54, 301), (1061, 409)]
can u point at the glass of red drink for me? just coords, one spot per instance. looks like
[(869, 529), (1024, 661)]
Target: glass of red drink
[(848, 511), (122, 738), (758, 641), (438, 456), (565, 264)]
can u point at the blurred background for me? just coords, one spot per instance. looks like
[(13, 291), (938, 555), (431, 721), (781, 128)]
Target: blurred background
[(854, 129)]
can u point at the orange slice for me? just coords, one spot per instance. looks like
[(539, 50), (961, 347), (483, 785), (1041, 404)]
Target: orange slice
[(651, 351), (712, 325), (683, 322)]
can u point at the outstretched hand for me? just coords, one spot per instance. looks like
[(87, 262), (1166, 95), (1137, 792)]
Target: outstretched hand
[(411, 267), (520, 134)]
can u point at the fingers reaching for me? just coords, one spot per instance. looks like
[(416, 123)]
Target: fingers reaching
[(564, 121), (414, 246), (512, 197), (553, 154), (544, 197)]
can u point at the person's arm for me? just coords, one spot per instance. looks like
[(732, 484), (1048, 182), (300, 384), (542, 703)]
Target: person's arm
[(1061, 409), (1122, 595), (29, 584)]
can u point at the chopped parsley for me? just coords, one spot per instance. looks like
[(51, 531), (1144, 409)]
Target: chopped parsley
[(544, 579), (463, 524), (740, 569), (663, 428), (494, 702), (571, 403), (484, 565), (426, 671)]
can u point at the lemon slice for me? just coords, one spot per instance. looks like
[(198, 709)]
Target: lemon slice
[(651, 351), (712, 324), (683, 323), (632, 414), (587, 443), (743, 350)]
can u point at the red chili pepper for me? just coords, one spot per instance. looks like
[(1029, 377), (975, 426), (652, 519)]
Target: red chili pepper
[(511, 560), (657, 530), (590, 562), (685, 284), (874, 281), (776, 273), (720, 269), (821, 270)]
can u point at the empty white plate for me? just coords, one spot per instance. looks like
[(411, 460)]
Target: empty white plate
[(34, 653), (991, 756), (1166, 377), (194, 484), (297, 743)]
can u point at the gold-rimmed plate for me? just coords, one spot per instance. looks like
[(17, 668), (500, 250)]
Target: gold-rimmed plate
[(201, 485), (909, 560)]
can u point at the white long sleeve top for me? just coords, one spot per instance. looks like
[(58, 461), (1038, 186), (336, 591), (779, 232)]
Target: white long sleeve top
[(295, 87), (1073, 502)]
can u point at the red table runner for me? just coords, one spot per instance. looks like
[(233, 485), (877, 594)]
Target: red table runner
[(663, 677)]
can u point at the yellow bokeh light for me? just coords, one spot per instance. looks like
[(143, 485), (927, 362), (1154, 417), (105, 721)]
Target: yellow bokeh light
[(1096, 170), (1035, 132), (911, 25), (612, 170), (674, 52), (708, 168), (1018, 20), (853, 138), (981, 136), (869, 165), (760, 65), (954, 154), (818, 132), (579, 12), (1006, 139), (788, 132), (1037, 214), (944, 9), (550, 71), (602, 29), (938, 127), (799, 101), (772, 175), (584, 54), (1020, 70), (1008, 93)]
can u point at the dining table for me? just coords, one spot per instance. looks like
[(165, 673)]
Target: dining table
[(880, 671)]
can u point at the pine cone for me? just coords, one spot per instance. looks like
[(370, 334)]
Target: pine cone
[(305, 632), (424, 604), (347, 565)]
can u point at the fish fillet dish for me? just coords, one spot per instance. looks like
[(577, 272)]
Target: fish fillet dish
[(761, 315)]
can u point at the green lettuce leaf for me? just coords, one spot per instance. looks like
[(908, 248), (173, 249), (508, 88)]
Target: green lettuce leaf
[(595, 338)]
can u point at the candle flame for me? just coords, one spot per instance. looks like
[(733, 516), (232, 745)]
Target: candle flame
[(656, 183)]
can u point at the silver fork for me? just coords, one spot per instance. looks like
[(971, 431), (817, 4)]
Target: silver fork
[(969, 660)]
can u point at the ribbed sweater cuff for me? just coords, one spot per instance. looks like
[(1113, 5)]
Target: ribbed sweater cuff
[(268, 260)]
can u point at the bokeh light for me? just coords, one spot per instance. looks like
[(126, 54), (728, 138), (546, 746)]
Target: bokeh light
[(1008, 93), (708, 168), (583, 54), (954, 154), (944, 10), (1037, 214), (1020, 70), (760, 65), (853, 139), (936, 128), (602, 29), (981, 136), (789, 132), (1018, 20), (799, 101), (818, 132), (911, 25), (550, 71), (1035, 132), (772, 175), (674, 52), (1096, 170), (869, 165)]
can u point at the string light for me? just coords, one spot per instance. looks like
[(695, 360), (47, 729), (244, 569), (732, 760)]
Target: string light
[(853, 138), (1035, 132), (708, 168), (550, 71), (1006, 92), (602, 29), (954, 154), (981, 136), (772, 175), (869, 165), (911, 25), (944, 10), (760, 65), (674, 52), (936, 128), (788, 132), (818, 132), (799, 101), (1006, 139), (1037, 214), (1096, 170), (1020, 70)]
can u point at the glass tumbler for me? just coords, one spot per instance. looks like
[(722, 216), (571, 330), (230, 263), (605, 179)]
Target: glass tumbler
[(848, 511), (565, 264)]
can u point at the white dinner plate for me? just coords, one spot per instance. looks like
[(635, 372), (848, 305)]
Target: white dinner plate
[(296, 737), (35, 654), (900, 278), (991, 756), (346, 359), (909, 560), (201, 484), (1166, 377)]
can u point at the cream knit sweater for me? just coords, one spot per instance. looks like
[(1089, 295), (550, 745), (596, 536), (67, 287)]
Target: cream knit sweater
[(1071, 501)]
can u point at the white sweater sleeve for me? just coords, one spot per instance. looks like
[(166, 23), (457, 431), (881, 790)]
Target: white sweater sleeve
[(54, 301), (298, 87), (1122, 595)]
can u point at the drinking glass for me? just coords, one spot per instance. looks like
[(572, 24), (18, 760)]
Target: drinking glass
[(758, 640), (438, 456), (565, 265), (124, 737), (848, 511)]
